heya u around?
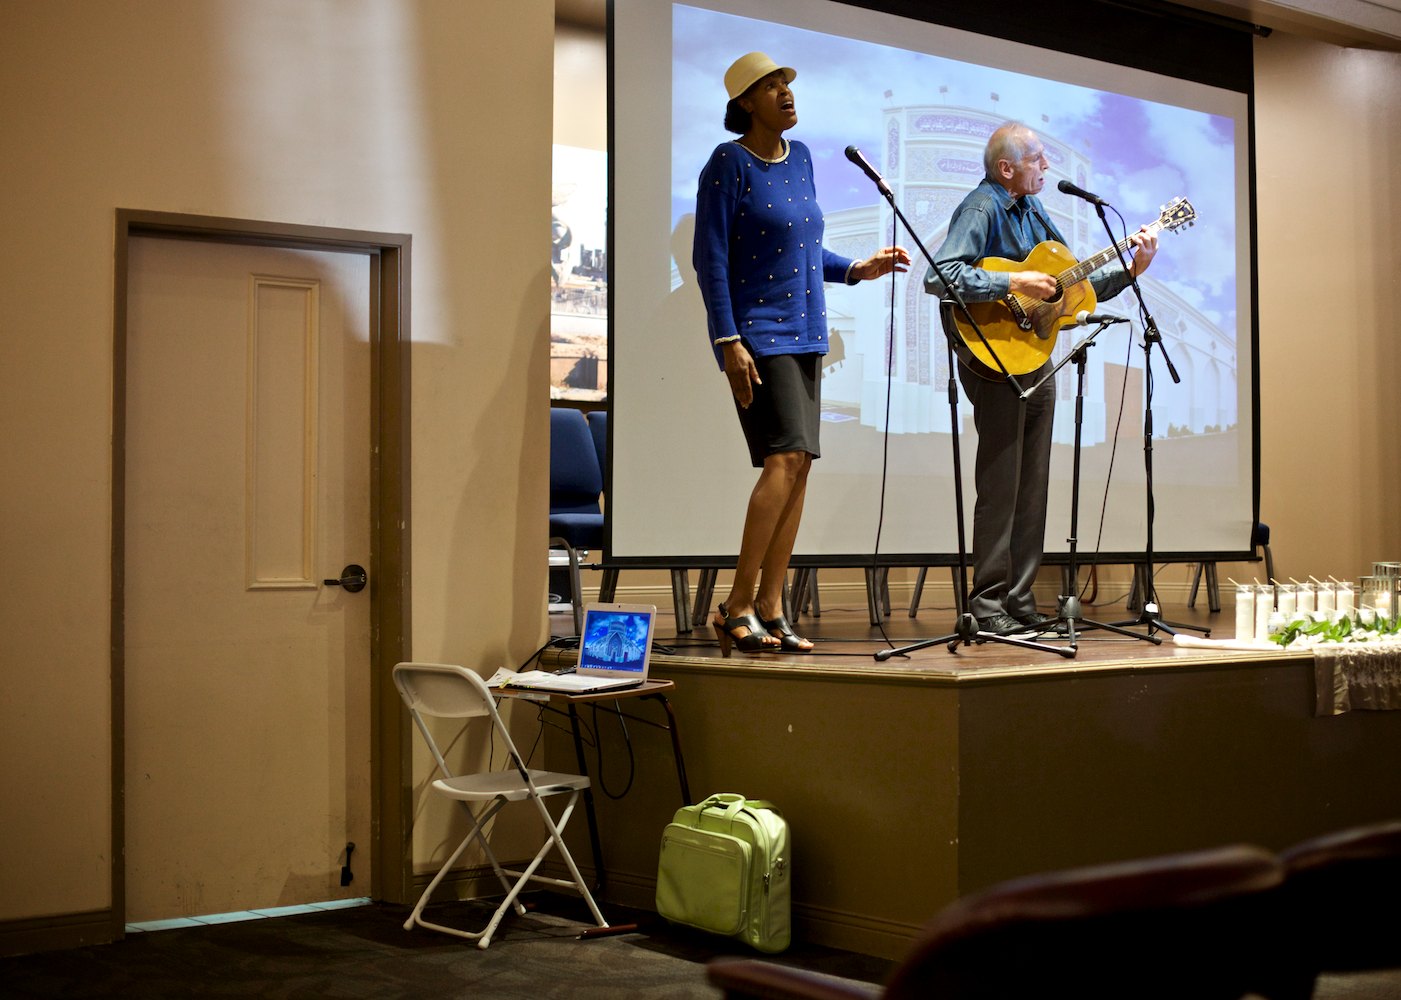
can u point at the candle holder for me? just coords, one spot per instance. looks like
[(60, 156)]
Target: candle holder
[(1344, 599), (1324, 597), (1264, 607), (1304, 598), (1245, 611), (1369, 593), (1389, 575)]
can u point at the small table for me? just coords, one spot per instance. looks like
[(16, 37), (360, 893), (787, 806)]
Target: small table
[(650, 690)]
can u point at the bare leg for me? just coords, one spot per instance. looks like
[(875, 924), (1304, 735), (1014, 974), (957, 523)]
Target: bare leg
[(770, 528), (775, 567)]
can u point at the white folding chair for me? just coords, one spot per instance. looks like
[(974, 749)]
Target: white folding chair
[(448, 691)]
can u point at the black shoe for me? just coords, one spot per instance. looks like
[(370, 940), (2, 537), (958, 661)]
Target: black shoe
[(999, 624), (1040, 622)]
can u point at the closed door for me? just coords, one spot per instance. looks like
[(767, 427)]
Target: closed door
[(247, 721)]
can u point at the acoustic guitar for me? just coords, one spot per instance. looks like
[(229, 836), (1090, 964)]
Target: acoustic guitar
[(1021, 329)]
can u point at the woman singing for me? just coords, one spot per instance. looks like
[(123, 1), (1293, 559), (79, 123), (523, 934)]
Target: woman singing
[(761, 265)]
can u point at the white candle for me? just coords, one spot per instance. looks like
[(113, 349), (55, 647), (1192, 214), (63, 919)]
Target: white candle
[(1325, 597), (1285, 600), (1304, 599), (1345, 606), (1384, 604), (1245, 612), (1264, 607)]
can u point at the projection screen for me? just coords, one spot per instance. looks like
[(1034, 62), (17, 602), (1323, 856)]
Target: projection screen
[(919, 99)]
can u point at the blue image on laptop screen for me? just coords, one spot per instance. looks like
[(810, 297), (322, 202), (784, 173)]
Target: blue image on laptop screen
[(614, 640)]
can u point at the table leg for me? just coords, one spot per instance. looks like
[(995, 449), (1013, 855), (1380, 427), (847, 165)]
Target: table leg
[(675, 748), (589, 814)]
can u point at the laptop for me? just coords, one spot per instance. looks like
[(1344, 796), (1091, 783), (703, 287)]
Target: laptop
[(615, 648)]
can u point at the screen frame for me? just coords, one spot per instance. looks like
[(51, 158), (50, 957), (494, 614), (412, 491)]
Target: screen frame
[(1124, 35)]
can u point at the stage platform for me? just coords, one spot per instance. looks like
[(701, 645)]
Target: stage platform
[(912, 781)]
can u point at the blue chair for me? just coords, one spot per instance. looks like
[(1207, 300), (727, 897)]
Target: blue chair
[(597, 421), (598, 427), (576, 483)]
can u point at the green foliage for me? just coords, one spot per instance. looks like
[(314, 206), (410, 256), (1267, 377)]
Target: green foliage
[(1311, 629)]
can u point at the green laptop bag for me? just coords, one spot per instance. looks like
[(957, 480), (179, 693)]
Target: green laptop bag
[(725, 868)]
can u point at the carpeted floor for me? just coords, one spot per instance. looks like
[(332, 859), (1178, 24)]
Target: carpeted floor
[(366, 953)]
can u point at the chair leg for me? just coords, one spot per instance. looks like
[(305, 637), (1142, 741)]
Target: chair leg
[(479, 829), (575, 587), (1213, 588), (416, 915), (1196, 582), (555, 839)]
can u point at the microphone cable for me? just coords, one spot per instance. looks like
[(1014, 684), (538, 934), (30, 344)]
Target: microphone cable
[(877, 589), (1114, 444)]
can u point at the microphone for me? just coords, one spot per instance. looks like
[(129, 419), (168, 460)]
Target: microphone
[(1084, 318), (1079, 192), (854, 155)]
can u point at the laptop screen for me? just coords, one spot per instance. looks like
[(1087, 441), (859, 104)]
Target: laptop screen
[(617, 639)]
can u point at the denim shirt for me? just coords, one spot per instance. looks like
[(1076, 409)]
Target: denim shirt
[(989, 222)]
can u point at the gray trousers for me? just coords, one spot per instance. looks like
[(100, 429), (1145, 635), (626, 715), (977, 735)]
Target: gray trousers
[(1009, 517)]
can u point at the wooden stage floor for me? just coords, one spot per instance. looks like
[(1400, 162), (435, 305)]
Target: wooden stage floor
[(845, 639)]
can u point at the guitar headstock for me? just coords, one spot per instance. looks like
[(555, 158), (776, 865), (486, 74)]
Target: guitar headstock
[(1177, 214)]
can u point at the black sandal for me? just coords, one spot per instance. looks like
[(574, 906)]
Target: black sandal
[(725, 626), (788, 640)]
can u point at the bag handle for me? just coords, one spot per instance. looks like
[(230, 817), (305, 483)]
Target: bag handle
[(734, 804), (731, 802)]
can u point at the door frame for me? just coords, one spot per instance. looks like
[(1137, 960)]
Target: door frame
[(390, 759)]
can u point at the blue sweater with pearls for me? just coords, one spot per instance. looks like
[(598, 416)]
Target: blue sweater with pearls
[(758, 252)]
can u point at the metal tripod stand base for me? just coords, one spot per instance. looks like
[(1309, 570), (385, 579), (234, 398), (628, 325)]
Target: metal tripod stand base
[(1068, 614), (1148, 618), (969, 633)]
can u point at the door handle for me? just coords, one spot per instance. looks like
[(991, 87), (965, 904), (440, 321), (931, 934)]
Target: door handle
[(353, 579)]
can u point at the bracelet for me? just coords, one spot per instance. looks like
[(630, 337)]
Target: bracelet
[(725, 340)]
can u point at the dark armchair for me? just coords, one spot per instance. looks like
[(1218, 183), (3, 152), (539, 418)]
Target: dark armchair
[(1185, 925)]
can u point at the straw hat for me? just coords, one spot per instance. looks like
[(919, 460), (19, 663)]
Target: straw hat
[(748, 69)]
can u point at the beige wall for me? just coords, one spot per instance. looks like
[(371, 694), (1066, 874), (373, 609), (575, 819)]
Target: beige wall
[(429, 117), (433, 117), (1328, 142)]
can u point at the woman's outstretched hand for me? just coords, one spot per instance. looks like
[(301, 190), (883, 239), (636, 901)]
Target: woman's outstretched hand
[(880, 263)]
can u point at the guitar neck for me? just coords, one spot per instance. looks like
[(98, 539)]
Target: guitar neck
[(1079, 272)]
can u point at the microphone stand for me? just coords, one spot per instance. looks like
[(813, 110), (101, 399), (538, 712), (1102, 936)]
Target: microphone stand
[(1148, 616), (1068, 609), (966, 630)]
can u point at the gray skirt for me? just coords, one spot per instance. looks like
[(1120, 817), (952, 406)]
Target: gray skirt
[(787, 407)]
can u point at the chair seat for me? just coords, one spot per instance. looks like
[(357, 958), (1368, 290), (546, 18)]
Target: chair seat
[(508, 785), (583, 531)]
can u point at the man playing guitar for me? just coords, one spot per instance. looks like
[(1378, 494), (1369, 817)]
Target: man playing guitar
[(1003, 218)]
